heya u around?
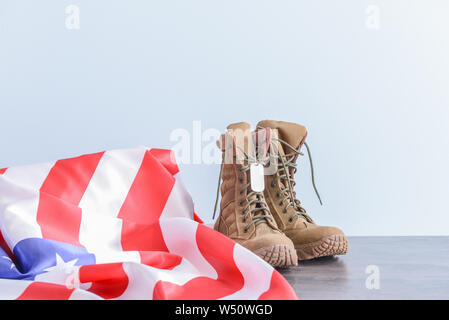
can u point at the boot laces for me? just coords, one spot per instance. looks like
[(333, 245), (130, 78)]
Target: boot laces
[(287, 167), (257, 206)]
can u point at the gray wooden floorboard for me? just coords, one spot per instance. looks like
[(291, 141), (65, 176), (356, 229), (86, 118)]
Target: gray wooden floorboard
[(409, 268)]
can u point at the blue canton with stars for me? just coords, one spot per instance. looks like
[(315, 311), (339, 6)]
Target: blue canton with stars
[(34, 255)]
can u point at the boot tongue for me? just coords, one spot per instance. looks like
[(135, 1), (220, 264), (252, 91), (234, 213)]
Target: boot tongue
[(242, 138), (262, 141), (259, 142), (292, 133)]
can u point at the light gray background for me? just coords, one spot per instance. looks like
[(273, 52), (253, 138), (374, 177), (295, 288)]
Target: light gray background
[(375, 102)]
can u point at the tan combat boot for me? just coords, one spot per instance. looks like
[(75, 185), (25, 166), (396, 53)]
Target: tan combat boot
[(244, 215), (310, 240)]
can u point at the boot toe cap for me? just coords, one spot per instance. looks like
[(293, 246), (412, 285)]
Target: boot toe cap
[(310, 235), (268, 240), (319, 241), (275, 248)]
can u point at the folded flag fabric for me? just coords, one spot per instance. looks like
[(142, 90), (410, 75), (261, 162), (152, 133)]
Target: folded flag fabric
[(118, 225)]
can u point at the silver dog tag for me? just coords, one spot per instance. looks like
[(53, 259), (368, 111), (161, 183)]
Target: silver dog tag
[(257, 177)]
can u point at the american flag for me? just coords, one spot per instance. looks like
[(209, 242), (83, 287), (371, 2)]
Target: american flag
[(118, 225)]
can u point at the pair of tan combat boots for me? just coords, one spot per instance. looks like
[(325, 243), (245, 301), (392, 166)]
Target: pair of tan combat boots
[(270, 221)]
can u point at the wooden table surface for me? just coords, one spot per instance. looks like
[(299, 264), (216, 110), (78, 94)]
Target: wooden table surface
[(377, 268)]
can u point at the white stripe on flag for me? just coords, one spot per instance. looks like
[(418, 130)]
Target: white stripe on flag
[(180, 238), (12, 289), (256, 272), (100, 230), (79, 294), (142, 279), (179, 203), (19, 201)]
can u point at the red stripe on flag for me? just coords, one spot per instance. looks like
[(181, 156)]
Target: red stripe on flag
[(148, 193), (6, 248), (196, 218), (143, 206), (220, 256), (160, 260), (2, 171), (59, 220), (279, 287), (142, 237), (167, 159), (58, 213), (109, 280), (46, 291), (69, 178)]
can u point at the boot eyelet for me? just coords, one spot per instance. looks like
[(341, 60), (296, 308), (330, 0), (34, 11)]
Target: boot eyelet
[(243, 220), (245, 230), (284, 211), (278, 195), (290, 220)]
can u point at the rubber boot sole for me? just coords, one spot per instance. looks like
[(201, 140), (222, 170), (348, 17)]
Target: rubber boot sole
[(336, 244), (278, 255)]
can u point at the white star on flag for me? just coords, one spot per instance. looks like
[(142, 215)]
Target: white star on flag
[(60, 272)]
